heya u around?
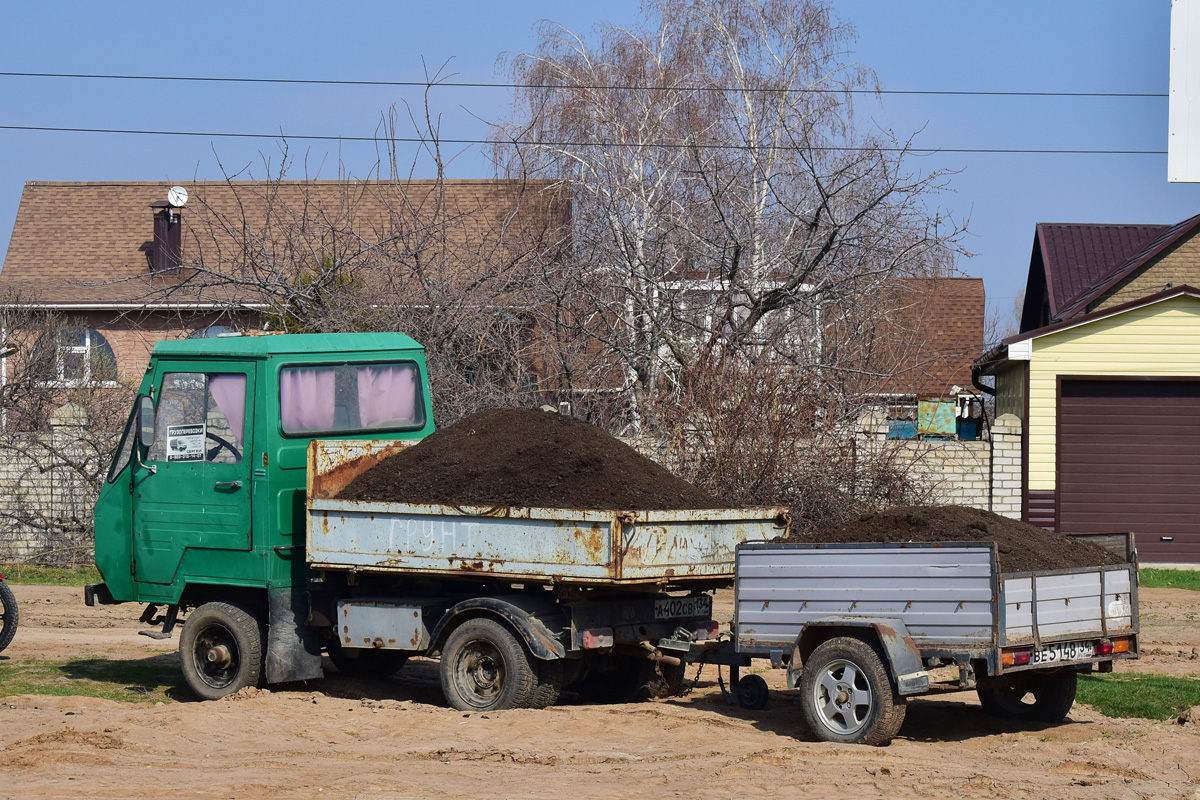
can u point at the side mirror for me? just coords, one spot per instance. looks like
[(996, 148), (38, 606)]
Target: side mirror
[(145, 426)]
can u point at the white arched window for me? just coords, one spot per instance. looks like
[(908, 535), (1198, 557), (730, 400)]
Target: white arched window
[(74, 357)]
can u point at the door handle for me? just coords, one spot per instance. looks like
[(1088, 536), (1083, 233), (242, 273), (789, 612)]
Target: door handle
[(228, 484)]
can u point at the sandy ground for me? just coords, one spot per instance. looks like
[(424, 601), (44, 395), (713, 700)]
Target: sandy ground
[(396, 738)]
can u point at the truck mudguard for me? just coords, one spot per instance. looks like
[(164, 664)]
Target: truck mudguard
[(903, 657), (528, 616), (293, 650)]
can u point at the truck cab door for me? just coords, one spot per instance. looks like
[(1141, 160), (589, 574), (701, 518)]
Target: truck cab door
[(192, 492)]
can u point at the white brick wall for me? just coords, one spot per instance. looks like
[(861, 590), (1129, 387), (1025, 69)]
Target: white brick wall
[(45, 505), (983, 474)]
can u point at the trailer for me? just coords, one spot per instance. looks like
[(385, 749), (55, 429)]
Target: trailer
[(863, 627)]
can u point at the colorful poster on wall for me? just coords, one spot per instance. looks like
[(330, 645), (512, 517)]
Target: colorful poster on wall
[(936, 418)]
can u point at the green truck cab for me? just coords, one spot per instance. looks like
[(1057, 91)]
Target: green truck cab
[(209, 505)]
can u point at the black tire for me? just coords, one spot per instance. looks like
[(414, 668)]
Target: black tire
[(1032, 697), (221, 650), (365, 662), (485, 667), (619, 678), (752, 693), (847, 696), (8, 615)]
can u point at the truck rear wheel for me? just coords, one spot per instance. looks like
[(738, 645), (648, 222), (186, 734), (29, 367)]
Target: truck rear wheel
[(485, 667), (1032, 697), (847, 695), (220, 650)]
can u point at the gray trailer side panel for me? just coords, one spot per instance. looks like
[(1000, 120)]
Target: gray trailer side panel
[(945, 594)]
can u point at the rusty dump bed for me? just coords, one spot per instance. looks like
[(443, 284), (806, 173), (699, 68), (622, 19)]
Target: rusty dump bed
[(525, 544)]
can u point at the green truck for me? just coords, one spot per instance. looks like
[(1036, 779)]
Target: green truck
[(220, 510)]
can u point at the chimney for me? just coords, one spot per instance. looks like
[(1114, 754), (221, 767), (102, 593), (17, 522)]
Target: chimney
[(166, 254)]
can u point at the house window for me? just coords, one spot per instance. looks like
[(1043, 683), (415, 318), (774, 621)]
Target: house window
[(211, 332), (75, 357)]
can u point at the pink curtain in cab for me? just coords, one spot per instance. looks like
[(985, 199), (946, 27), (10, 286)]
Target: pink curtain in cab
[(386, 394), (306, 399), (229, 393)]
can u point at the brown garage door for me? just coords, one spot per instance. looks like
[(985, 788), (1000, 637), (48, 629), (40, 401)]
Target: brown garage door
[(1129, 459)]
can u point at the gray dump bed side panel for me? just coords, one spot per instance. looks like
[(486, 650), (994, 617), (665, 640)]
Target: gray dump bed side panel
[(944, 594), (573, 545)]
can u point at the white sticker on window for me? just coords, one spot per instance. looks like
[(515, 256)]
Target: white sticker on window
[(185, 443)]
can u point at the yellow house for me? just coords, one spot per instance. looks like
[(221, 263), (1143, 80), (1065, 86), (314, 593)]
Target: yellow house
[(1105, 377)]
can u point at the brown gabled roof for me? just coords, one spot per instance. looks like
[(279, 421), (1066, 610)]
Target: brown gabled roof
[(1077, 257), (88, 243), (1074, 265)]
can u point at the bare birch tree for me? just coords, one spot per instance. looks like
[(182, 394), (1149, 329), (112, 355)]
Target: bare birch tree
[(730, 217)]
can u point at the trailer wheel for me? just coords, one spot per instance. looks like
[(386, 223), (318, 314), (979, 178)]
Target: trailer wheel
[(220, 650), (8, 615), (847, 695), (363, 661), (485, 668), (1032, 697), (752, 692)]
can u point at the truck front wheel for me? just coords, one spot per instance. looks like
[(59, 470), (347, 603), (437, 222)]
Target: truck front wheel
[(220, 650), (847, 696), (1032, 697), (486, 668)]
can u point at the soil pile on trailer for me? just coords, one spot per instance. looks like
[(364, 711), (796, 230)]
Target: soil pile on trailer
[(526, 457), (1022, 547)]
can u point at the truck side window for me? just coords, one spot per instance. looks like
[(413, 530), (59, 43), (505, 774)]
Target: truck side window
[(350, 398), (200, 417), (124, 451)]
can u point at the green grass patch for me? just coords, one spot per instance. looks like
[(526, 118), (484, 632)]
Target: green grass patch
[(144, 680), (50, 576), (1169, 578), (1144, 696)]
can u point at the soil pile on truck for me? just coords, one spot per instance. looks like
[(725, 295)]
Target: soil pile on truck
[(1022, 547), (526, 458)]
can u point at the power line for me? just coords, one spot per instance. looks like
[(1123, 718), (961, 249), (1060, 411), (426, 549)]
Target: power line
[(501, 85), (532, 143)]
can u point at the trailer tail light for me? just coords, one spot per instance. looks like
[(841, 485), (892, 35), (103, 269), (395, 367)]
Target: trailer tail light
[(595, 638), (1120, 645), (1016, 658), (1104, 648)]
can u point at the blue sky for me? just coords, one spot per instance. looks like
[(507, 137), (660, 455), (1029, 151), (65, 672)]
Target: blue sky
[(1021, 45)]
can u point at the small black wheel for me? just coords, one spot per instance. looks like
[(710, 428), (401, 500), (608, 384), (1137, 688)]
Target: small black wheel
[(752, 692), (847, 695), (221, 650), (619, 678), (8, 615), (486, 668), (1032, 697), (365, 661)]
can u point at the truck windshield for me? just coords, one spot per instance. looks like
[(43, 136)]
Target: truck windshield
[(350, 398)]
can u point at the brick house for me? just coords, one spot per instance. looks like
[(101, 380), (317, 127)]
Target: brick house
[(116, 258), (1105, 375)]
